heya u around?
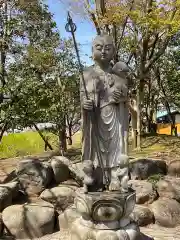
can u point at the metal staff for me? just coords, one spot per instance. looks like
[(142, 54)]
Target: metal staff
[(71, 27)]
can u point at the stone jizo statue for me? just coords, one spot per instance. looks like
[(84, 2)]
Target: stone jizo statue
[(107, 90), (105, 202)]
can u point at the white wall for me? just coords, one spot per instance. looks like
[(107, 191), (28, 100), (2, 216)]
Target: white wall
[(177, 118)]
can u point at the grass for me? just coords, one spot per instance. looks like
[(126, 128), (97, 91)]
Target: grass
[(154, 179), (160, 146), (76, 141), (29, 143), (22, 144), (163, 146)]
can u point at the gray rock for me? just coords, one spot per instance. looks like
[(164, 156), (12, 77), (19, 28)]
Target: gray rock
[(68, 217), (70, 182), (109, 234), (8, 192), (161, 233), (169, 187), (13, 187), (142, 215), (76, 169), (166, 212), (60, 235), (144, 191), (34, 176), (5, 197), (7, 177), (29, 220), (144, 237), (1, 225), (60, 169), (61, 197), (141, 169), (174, 168), (61, 159)]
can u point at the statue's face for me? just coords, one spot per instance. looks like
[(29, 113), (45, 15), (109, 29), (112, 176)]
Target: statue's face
[(103, 49)]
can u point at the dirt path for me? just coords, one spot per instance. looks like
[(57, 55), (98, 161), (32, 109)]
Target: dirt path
[(7, 165), (153, 231), (161, 233)]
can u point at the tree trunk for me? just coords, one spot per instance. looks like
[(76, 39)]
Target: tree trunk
[(62, 137), (3, 130), (149, 107), (62, 141), (3, 36), (149, 119), (139, 119), (134, 128), (166, 103), (134, 134), (43, 137), (139, 113), (69, 138), (155, 111), (171, 118), (133, 112)]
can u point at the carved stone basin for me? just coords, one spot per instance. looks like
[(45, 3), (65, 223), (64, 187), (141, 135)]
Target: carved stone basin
[(105, 206)]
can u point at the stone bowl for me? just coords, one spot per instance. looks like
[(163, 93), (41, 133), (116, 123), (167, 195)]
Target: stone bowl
[(105, 206)]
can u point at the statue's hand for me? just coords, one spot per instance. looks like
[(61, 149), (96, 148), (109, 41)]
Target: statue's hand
[(117, 94), (88, 105)]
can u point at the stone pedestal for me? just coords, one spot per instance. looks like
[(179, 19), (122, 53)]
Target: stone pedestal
[(104, 216)]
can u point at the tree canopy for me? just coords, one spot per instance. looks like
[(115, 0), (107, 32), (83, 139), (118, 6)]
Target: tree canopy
[(41, 77), (39, 72)]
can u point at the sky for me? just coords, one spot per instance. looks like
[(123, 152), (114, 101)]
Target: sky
[(85, 30)]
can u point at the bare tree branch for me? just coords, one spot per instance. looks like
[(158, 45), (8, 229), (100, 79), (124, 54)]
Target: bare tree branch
[(129, 59), (153, 45), (165, 97), (93, 17)]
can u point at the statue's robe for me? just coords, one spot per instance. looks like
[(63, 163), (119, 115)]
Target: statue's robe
[(111, 119)]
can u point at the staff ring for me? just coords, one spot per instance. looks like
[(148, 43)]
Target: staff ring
[(70, 27)]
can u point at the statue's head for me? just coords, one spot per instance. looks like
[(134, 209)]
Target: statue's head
[(103, 49)]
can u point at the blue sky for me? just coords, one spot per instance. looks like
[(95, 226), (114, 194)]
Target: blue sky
[(85, 30)]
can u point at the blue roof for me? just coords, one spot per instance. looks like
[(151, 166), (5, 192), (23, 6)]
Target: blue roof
[(164, 113)]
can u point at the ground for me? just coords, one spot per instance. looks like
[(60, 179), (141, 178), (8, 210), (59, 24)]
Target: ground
[(159, 233), (159, 147)]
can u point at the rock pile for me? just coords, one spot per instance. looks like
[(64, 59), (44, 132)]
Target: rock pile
[(39, 198)]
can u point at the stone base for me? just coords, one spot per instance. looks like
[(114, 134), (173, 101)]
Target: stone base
[(104, 216), (105, 206), (82, 229)]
